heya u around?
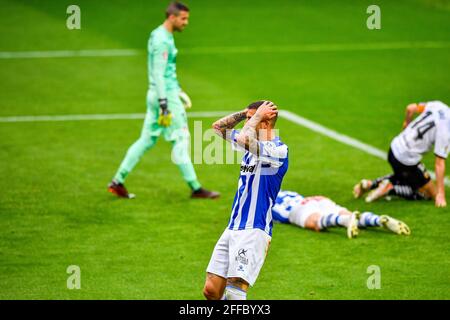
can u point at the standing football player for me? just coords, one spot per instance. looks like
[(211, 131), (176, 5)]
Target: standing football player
[(166, 114), (241, 250), (410, 179), (320, 213)]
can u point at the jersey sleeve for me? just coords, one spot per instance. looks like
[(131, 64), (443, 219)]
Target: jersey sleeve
[(442, 143), (272, 154), (160, 51), (433, 106), (234, 145)]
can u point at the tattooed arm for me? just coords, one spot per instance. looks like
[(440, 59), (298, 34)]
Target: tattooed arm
[(248, 137), (223, 126)]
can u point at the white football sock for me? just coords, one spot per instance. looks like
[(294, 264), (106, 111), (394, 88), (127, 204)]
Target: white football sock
[(233, 293)]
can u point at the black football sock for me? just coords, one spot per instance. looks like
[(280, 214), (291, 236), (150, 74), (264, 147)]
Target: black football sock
[(407, 192), (377, 181)]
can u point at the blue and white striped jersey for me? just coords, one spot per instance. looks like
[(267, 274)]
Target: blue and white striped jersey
[(259, 183), (285, 202)]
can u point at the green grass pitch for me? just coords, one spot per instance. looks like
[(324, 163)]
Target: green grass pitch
[(54, 208)]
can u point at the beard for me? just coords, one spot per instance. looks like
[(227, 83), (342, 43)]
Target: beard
[(179, 28)]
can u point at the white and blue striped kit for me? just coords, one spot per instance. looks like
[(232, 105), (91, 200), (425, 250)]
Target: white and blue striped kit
[(284, 204), (259, 183)]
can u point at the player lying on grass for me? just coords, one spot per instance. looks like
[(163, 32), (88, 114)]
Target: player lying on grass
[(410, 179), (319, 213), (241, 250)]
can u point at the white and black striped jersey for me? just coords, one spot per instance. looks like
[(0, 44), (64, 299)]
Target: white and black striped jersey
[(431, 128)]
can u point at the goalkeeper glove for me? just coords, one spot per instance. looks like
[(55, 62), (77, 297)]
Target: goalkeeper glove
[(165, 117), (185, 100)]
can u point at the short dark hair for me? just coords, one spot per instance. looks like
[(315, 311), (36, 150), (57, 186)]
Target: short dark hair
[(175, 8), (255, 105)]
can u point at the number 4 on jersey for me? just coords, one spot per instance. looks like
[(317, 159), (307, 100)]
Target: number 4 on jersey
[(424, 127)]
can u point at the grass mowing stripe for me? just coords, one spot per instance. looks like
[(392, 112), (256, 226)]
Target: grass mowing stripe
[(69, 53), (320, 47), (90, 117), (311, 125)]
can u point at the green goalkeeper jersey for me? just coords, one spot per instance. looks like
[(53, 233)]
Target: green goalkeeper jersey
[(162, 56)]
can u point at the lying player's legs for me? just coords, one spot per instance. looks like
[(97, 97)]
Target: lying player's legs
[(147, 140), (370, 219), (319, 215), (333, 215), (367, 219), (329, 214), (313, 222), (306, 215), (335, 218)]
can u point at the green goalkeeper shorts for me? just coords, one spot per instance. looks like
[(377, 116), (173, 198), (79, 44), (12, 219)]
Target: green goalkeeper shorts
[(178, 125)]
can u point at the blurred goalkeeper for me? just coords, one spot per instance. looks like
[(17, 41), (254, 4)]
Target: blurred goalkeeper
[(166, 114)]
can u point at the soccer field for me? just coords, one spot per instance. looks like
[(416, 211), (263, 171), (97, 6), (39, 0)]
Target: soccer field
[(316, 59)]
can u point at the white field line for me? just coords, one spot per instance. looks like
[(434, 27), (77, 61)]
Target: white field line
[(69, 53), (320, 47), (311, 125), (111, 116), (314, 126)]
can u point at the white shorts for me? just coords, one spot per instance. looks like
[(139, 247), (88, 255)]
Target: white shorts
[(240, 254), (312, 205)]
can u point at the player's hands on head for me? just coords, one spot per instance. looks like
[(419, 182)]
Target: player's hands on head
[(165, 117), (440, 201), (268, 110)]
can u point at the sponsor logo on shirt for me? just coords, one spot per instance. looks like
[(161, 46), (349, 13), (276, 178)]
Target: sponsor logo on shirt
[(247, 168)]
